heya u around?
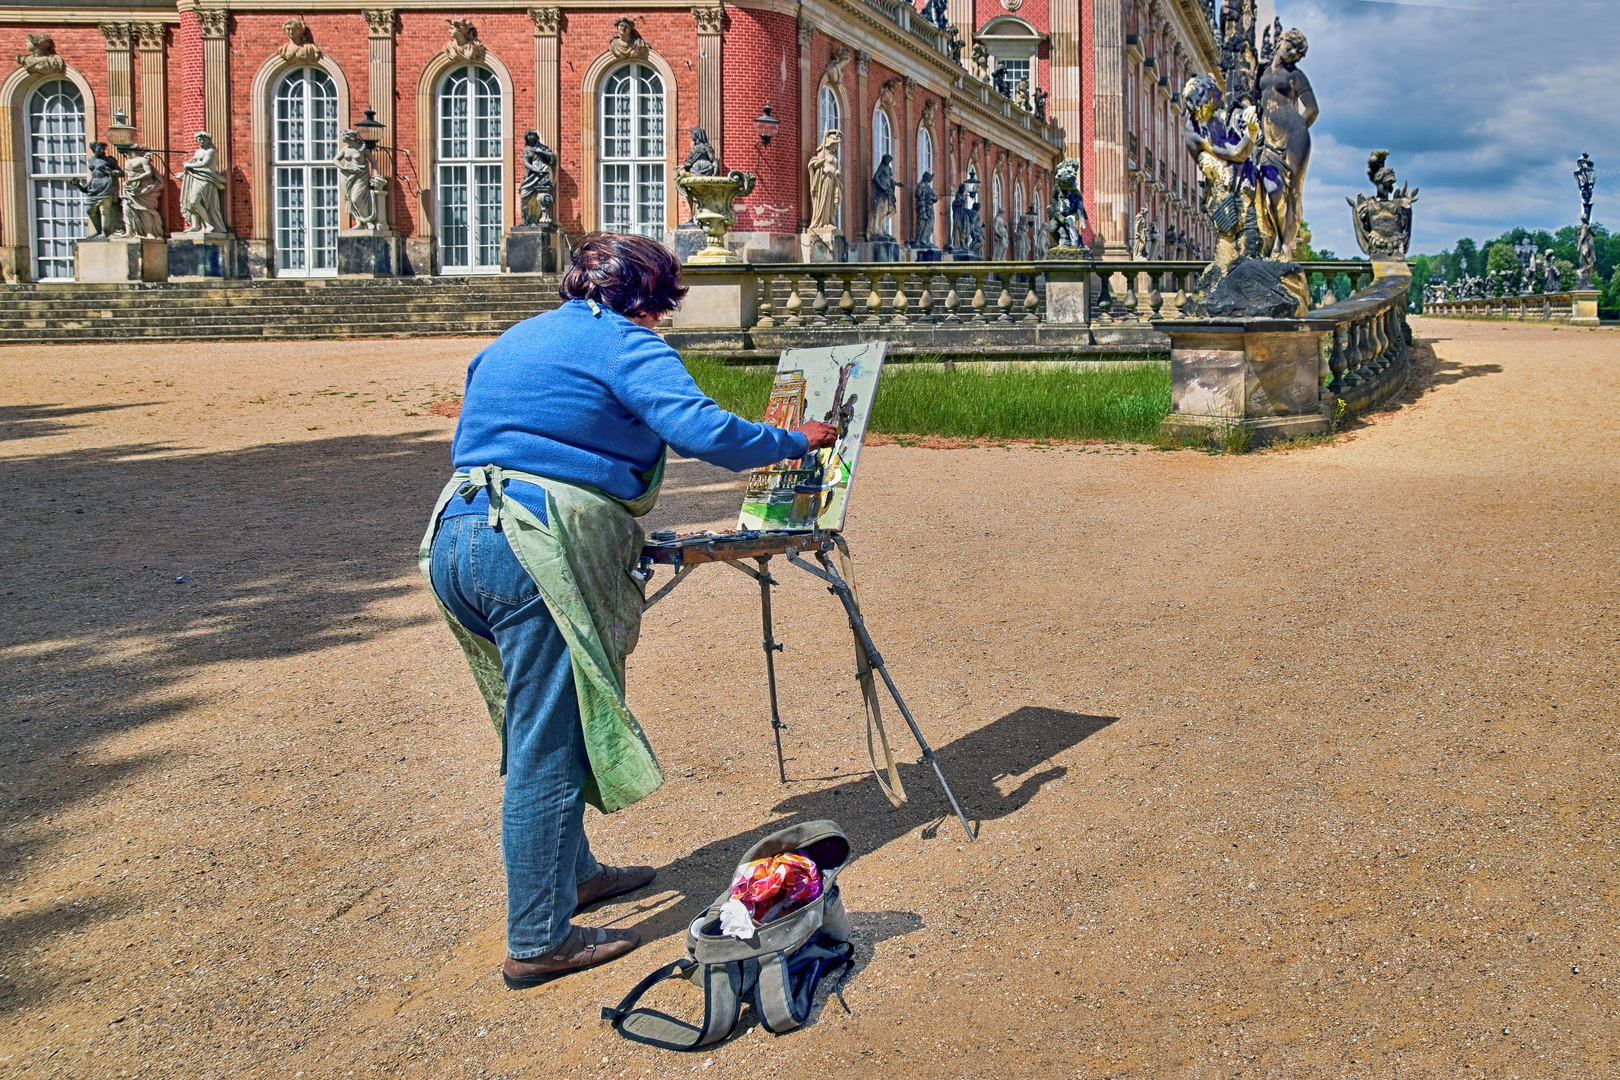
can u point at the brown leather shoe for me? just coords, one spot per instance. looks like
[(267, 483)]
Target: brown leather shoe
[(586, 947), (613, 881)]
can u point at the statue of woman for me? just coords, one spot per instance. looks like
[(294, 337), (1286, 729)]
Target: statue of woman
[(200, 188), (101, 191), (884, 203), (826, 184), (922, 205), (1003, 242), (1288, 109), (538, 191), (959, 216), (359, 178), (143, 195)]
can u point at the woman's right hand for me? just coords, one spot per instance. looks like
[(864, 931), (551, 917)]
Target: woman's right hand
[(819, 435)]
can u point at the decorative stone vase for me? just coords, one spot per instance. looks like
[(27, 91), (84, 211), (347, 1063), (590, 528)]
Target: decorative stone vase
[(712, 197)]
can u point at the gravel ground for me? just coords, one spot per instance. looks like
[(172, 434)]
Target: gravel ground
[(1295, 764)]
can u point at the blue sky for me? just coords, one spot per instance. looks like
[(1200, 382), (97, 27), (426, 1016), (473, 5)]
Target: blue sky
[(1483, 104)]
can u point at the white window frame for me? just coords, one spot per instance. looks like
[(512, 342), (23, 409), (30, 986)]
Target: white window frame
[(56, 152), (302, 147), (469, 159), (632, 160)]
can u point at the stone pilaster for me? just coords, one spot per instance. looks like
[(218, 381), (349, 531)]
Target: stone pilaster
[(856, 132), (380, 24), (710, 75), (1110, 215), (151, 40), (1063, 109), (905, 167), (120, 71), (547, 88), (807, 118), (217, 93)]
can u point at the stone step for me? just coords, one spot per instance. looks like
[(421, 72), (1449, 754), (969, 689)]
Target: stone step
[(277, 310), (471, 328)]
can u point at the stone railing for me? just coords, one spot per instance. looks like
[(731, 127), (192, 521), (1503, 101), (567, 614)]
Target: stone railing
[(1278, 378), (1577, 308), (1016, 307)]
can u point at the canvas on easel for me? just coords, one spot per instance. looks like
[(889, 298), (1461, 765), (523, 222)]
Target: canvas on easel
[(836, 386)]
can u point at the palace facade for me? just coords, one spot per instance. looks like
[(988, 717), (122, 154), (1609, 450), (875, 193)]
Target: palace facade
[(616, 91)]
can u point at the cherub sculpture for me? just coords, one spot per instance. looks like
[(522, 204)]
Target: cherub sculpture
[(1066, 214), (1223, 140)]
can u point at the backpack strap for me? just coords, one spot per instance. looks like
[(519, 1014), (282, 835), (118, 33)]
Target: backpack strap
[(785, 987), (723, 992)]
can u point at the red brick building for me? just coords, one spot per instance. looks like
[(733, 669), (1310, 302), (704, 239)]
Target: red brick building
[(275, 82)]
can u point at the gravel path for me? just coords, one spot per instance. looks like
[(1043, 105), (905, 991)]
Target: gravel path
[(1294, 764)]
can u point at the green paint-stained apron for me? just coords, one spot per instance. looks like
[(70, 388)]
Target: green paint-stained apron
[(583, 559)]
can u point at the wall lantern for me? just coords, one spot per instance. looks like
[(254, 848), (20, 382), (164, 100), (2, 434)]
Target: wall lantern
[(371, 129), (765, 125)]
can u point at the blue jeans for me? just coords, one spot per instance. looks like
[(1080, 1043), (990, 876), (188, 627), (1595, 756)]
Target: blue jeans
[(543, 813)]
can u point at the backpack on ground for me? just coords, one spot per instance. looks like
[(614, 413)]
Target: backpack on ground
[(776, 970)]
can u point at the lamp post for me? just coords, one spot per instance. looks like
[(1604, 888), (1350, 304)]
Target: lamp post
[(765, 126), (1586, 177), (371, 130)]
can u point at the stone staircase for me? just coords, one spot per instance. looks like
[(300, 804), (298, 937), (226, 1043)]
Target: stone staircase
[(272, 309)]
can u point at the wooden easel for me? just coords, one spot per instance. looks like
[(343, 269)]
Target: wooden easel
[(686, 554)]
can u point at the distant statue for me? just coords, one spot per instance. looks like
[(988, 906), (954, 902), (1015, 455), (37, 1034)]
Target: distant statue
[(701, 160), (959, 216), (1040, 104), (1555, 280), (826, 184), (1288, 109), (360, 181), (1066, 214), (954, 44), (298, 49), (1586, 248), (1021, 96), (1384, 221), (1139, 236), (41, 58), (922, 210), (201, 185), (538, 191), (1003, 243), (999, 79), (884, 202), (1154, 251), (100, 189), (1024, 237), (981, 60), (143, 196), (933, 13)]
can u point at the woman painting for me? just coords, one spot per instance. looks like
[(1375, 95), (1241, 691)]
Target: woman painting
[(531, 553), (1288, 109)]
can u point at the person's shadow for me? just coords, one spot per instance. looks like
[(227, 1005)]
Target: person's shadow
[(977, 765)]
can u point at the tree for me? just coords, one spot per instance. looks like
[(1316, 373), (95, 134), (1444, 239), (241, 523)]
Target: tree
[(1503, 262)]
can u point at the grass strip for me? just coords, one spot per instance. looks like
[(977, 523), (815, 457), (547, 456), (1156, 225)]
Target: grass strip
[(1123, 403)]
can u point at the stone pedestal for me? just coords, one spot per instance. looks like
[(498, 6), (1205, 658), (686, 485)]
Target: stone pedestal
[(963, 255), (1068, 295), (717, 298), (1224, 376), (205, 257), (121, 259), (824, 246), (533, 249), (1583, 308), (367, 253), (689, 240), (880, 249), (923, 253)]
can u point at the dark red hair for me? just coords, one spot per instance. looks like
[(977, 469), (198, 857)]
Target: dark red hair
[(627, 273)]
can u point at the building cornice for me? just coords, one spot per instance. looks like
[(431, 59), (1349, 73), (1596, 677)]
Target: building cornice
[(164, 12)]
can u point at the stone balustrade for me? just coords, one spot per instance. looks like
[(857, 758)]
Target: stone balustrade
[(1576, 308)]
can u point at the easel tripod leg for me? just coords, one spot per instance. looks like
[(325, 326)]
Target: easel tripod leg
[(771, 649)]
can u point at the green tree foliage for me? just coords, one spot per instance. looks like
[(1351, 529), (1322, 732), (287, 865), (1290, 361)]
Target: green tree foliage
[(1503, 262)]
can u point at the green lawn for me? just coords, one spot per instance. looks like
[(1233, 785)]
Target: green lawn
[(1115, 404)]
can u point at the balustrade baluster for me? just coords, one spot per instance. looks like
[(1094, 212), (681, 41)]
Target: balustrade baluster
[(795, 303), (925, 302), (1032, 300), (1155, 295), (1176, 302), (1103, 311), (952, 302), (978, 296), (900, 301), (1340, 359), (846, 301), (765, 313), (874, 301), (818, 305), (1004, 301)]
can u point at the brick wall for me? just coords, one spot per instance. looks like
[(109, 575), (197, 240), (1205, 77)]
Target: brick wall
[(761, 60)]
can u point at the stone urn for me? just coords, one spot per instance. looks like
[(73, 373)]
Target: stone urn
[(711, 198)]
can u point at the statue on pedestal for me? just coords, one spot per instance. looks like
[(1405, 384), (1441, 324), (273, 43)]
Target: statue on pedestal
[(1066, 214), (954, 44), (360, 181), (1024, 238), (143, 196), (101, 192), (1555, 280), (1586, 249), (981, 60), (884, 203), (200, 187), (1288, 108), (922, 207), (1001, 251), (538, 191), (1139, 236), (826, 185), (1384, 221), (1040, 104), (933, 13), (1021, 96), (999, 80)]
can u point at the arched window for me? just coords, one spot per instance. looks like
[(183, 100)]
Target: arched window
[(305, 140), (925, 152), (632, 182), (1019, 206), (470, 165), (882, 136), (997, 201), (1014, 43), (56, 154)]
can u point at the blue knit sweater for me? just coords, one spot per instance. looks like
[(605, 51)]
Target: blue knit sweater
[(591, 399)]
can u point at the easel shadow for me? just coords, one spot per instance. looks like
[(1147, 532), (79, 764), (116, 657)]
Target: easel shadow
[(978, 766)]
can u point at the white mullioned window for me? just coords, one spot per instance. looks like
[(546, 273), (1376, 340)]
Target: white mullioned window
[(882, 136), (632, 183), (471, 155), (925, 152), (305, 140), (56, 155)]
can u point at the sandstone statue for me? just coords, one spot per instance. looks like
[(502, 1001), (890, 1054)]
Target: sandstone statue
[(922, 208), (1384, 221), (201, 185), (100, 188), (826, 185), (358, 175), (1066, 214), (1288, 109), (143, 196), (538, 191), (884, 202), (1003, 243)]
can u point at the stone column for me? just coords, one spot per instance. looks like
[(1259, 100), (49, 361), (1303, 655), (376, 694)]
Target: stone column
[(380, 85), (710, 75), (547, 88), (120, 86), (944, 173), (216, 93), (1111, 212), (905, 169), (807, 118), (856, 130), (150, 40), (1063, 109), (959, 13)]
